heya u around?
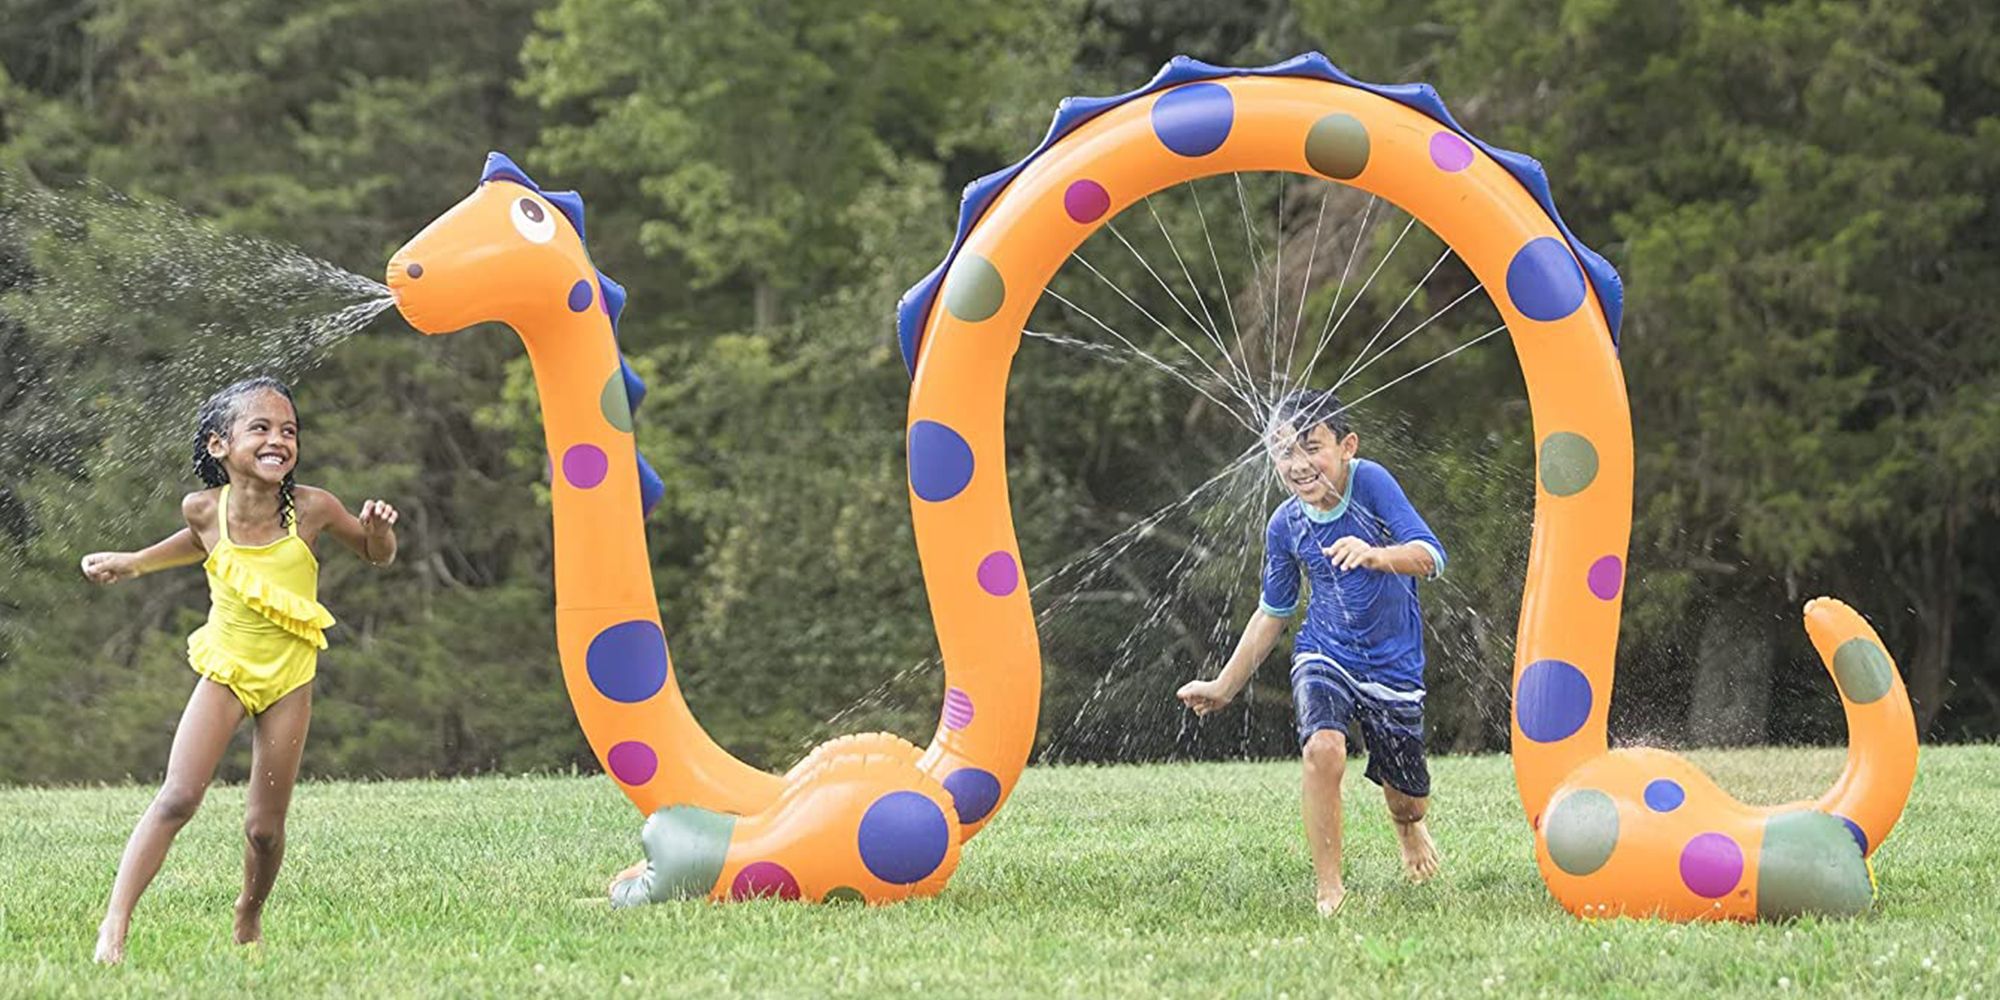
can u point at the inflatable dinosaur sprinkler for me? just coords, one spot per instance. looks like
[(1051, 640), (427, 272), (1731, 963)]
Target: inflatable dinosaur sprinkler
[(1631, 831)]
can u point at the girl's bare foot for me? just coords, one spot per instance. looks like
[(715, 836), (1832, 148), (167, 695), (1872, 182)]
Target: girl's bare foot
[(111, 941), (1420, 853), (1331, 899), (249, 922)]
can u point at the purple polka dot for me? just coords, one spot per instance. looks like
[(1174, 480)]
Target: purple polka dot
[(998, 575), (1450, 152), (1086, 201), (628, 662), (1665, 796), (1854, 830), (940, 461), (764, 878), (585, 465), (957, 708), (579, 296), (974, 793), (1711, 865), (903, 837), (633, 762), (1605, 577), (1544, 280), (1553, 700), (1195, 119)]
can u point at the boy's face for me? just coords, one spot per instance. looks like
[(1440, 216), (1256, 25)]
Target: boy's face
[(1313, 465)]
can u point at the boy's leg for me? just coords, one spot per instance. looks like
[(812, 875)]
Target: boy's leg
[(206, 724), (1396, 761), (1323, 706), (274, 769)]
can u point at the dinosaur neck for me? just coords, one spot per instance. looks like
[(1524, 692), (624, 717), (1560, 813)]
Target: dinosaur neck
[(600, 541)]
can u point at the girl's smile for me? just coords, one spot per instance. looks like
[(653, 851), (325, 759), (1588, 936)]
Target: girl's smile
[(263, 440)]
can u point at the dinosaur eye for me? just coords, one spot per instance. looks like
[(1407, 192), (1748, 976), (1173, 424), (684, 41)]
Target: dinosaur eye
[(533, 221)]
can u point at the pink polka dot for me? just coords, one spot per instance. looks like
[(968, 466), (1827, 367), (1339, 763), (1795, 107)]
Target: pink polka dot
[(1451, 153), (998, 575), (764, 878), (1605, 577), (1711, 865), (957, 709), (633, 762), (1086, 201), (585, 465)]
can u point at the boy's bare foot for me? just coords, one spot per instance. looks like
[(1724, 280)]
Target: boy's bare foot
[(111, 942), (1331, 899), (1420, 852), (249, 923)]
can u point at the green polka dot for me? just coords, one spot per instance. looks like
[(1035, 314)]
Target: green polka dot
[(1337, 146), (1809, 863), (1569, 463), (973, 291), (843, 894), (1582, 831), (686, 846), (613, 401), (1863, 670)]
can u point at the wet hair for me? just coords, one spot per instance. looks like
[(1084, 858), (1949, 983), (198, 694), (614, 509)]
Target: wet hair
[(1305, 407), (217, 415)]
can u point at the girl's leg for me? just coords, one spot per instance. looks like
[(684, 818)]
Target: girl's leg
[(210, 717), (274, 768)]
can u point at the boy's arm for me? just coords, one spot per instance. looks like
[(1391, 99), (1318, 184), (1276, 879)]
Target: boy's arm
[(1259, 634)]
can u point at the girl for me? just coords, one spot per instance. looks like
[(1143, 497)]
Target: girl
[(253, 531)]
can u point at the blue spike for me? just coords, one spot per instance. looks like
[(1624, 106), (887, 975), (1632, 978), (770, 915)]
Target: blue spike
[(499, 167), (652, 489), (614, 298), (570, 204), (635, 387)]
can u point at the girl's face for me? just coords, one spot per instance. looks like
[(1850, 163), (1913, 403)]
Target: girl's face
[(263, 441), (1314, 464)]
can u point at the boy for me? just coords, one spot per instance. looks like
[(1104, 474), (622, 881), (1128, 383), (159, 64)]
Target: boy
[(1359, 656)]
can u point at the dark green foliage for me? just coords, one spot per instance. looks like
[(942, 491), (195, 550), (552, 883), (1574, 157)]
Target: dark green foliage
[(1798, 194)]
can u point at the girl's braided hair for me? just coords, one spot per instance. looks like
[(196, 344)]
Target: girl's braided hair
[(217, 415)]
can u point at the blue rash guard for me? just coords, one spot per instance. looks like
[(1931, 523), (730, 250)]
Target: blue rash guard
[(1366, 621)]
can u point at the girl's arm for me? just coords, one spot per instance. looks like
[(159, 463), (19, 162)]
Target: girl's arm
[(178, 549), (372, 536)]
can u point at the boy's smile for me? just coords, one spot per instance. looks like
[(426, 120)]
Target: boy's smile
[(1313, 465)]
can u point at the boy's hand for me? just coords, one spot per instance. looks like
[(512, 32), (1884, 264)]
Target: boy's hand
[(1204, 696), (378, 518), (1351, 552), (110, 567)]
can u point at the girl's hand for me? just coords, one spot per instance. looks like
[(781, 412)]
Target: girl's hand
[(378, 519), (110, 567), (1351, 552)]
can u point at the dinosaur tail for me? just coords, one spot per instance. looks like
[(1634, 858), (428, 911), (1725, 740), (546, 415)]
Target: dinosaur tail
[(1882, 731)]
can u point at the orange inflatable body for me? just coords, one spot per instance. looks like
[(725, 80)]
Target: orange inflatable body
[(871, 817)]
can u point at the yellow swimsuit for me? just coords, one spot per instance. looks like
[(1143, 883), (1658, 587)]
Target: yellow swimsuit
[(265, 627)]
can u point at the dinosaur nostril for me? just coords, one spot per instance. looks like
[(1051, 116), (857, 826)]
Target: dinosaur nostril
[(415, 270)]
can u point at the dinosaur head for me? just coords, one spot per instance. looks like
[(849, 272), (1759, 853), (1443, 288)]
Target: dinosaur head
[(509, 253)]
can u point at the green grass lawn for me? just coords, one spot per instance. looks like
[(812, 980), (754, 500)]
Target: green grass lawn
[(1186, 880)]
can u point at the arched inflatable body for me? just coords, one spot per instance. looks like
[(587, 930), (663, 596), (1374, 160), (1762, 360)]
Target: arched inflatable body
[(871, 817), (1632, 831)]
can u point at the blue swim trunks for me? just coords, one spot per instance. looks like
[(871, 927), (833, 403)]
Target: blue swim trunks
[(1326, 696)]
